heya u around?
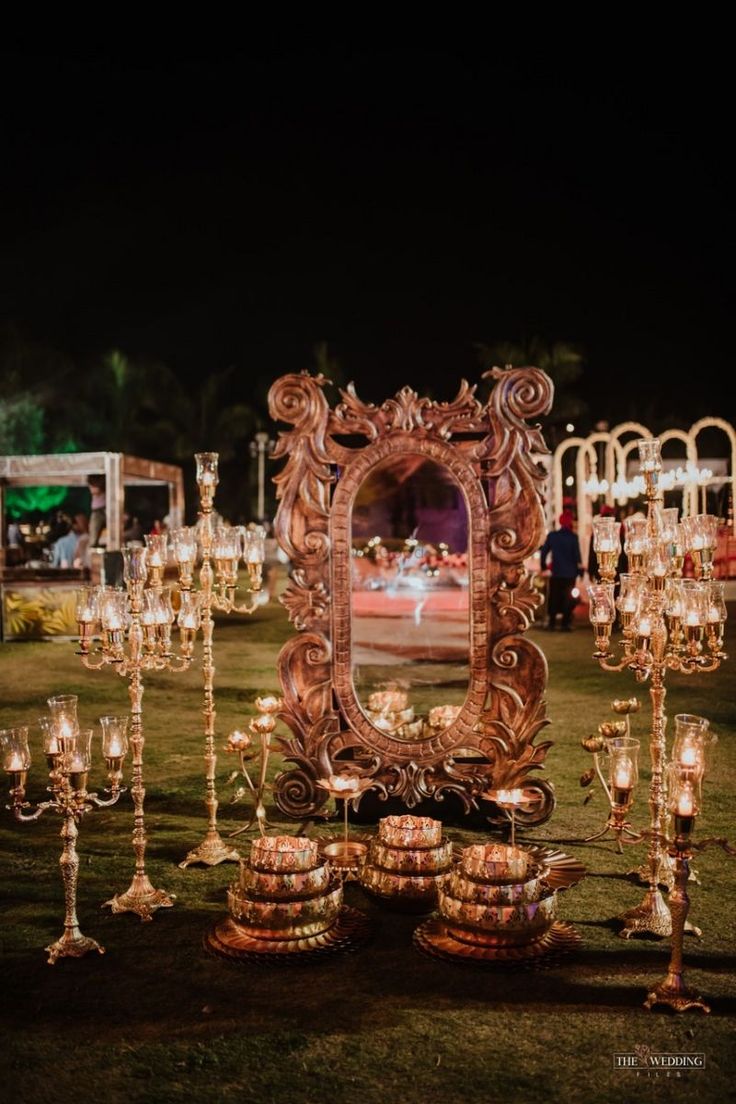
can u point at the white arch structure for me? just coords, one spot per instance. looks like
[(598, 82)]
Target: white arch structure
[(616, 454)]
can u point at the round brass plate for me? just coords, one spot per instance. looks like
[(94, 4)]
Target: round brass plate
[(432, 938), (351, 929)]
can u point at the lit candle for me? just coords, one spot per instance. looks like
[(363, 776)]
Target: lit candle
[(692, 619), (622, 775), (14, 762), (207, 478), (115, 748), (714, 615), (509, 797), (688, 756), (253, 556), (685, 805), (645, 627), (698, 544)]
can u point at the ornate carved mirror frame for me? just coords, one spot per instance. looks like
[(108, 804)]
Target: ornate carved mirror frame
[(489, 449)]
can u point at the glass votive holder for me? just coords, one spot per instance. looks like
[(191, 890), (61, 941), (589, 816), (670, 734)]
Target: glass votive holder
[(226, 550), (184, 542), (649, 455), (114, 741), (16, 754), (700, 536), (135, 564), (157, 548), (694, 609), (607, 546), (207, 474), (631, 595), (78, 760), (64, 720), (636, 543), (623, 755)]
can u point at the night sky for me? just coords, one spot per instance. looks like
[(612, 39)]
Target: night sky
[(399, 205)]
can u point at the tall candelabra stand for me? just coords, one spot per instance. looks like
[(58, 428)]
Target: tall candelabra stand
[(240, 742), (225, 545), (68, 755), (135, 637), (665, 620), (685, 797)]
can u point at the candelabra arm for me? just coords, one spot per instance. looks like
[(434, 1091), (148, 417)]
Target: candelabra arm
[(105, 803), (714, 841), (24, 818), (248, 606), (90, 664), (605, 665)]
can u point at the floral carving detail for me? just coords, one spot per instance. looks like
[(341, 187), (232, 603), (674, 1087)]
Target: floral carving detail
[(306, 604)]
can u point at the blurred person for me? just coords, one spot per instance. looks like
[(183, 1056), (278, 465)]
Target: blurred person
[(64, 550), (564, 547), (98, 508)]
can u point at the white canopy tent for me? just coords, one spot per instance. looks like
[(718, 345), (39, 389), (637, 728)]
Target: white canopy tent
[(72, 469)]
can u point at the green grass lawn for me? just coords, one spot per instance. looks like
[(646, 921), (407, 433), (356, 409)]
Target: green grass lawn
[(158, 1020)]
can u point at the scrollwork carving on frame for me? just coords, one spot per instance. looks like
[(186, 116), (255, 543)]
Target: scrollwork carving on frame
[(490, 450)]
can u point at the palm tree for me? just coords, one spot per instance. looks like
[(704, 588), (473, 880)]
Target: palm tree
[(563, 362)]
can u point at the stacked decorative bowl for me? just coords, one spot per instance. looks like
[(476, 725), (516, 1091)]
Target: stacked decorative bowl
[(497, 896), (285, 891), (407, 863), (287, 900)]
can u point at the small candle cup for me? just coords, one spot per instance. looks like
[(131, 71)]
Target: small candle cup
[(623, 774), (16, 755), (78, 760), (114, 741), (185, 546), (207, 474)]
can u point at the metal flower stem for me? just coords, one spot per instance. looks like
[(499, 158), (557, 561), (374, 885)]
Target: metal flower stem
[(213, 849)]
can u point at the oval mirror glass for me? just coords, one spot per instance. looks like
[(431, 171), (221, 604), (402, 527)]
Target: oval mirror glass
[(409, 597)]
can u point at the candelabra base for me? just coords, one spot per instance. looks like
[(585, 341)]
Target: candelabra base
[(651, 917), (72, 944), (211, 851), (141, 898), (673, 993), (665, 872)]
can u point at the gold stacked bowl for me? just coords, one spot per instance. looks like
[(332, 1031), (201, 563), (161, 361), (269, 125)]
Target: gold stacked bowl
[(407, 862), (498, 896), (285, 891)]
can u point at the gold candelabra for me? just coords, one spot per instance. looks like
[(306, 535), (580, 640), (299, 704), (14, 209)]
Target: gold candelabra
[(261, 726), (68, 753), (135, 628), (665, 621), (225, 545)]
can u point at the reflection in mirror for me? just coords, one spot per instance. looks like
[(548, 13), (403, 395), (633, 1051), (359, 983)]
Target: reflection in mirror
[(410, 628)]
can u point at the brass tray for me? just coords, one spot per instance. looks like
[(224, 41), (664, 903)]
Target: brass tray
[(351, 930), (433, 939), (564, 871)]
